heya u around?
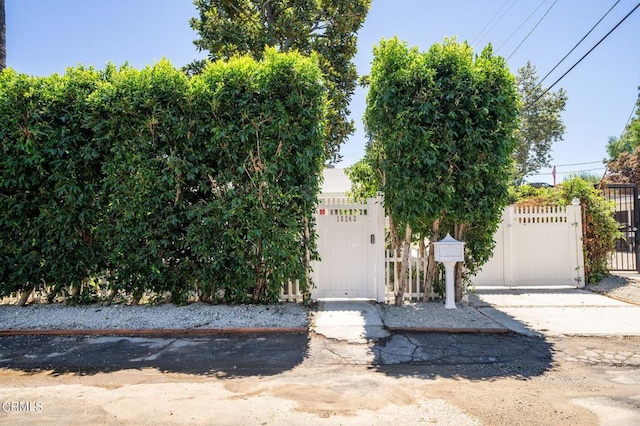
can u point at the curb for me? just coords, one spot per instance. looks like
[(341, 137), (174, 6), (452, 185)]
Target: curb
[(154, 331), (450, 330)]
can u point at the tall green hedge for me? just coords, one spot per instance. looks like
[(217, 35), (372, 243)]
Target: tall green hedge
[(155, 181)]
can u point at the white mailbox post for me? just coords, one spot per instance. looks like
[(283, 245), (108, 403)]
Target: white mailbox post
[(449, 251)]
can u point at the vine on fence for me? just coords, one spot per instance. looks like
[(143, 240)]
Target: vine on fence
[(147, 180)]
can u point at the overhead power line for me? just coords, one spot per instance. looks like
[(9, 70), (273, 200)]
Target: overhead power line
[(521, 25), (578, 164), (495, 23), (533, 29), (490, 20), (586, 54), (569, 172), (635, 102), (578, 43)]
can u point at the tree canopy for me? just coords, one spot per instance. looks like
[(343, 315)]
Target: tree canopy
[(540, 123), (630, 138), (327, 27), (442, 137)]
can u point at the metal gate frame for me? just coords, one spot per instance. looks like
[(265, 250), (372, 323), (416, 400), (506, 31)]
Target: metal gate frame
[(627, 213)]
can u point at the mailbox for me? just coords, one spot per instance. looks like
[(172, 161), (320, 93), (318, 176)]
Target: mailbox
[(449, 249)]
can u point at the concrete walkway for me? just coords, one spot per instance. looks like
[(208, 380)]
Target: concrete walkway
[(352, 321), (528, 311), (361, 321), (558, 311)]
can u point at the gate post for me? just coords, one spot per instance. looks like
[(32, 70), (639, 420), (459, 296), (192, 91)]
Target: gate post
[(635, 225), (377, 205), (507, 265), (574, 214)]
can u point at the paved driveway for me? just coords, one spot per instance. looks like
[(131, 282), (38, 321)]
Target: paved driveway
[(553, 312)]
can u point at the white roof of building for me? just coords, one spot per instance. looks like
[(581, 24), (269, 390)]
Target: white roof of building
[(335, 181)]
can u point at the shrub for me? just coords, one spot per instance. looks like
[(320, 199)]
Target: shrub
[(160, 182)]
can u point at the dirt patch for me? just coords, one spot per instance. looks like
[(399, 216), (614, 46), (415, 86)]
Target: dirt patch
[(576, 390)]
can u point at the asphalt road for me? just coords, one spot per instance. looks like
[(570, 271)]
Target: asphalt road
[(404, 379), (466, 355)]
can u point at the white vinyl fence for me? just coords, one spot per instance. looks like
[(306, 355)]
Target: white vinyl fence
[(536, 246), (416, 274), (291, 292)]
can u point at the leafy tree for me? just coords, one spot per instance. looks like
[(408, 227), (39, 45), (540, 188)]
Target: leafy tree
[(327, 27), (540, 123), (625, 168), (591, 177), (3, 36), (442, 135), (629, 140)]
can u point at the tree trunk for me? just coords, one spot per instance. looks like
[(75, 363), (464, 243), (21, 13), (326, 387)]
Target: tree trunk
[(406, 252), (110, 298), (53, 291), (458, 281), (395, 248), (137, 296), (3, 36), (432, 265), (269, 19), (307, 260), (76, 290), (458, 234), (422, 253), (260, 285), (25, 296)]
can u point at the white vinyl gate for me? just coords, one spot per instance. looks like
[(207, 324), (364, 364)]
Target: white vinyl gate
[(351, 249), (536, 246)]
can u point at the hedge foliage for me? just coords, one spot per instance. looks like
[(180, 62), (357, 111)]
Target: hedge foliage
[(151, 180)]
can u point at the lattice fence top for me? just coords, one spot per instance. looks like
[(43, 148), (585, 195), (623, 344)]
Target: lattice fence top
[(337, 201), (539, 214), (343, 200)]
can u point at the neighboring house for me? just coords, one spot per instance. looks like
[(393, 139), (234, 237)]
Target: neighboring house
[(335, 182)]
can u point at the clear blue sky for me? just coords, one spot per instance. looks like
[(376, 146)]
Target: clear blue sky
[(46, 36)]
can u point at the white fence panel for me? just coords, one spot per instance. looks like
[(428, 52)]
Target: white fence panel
[(291, 292), (351, 248), (416, 272), (536, 246)]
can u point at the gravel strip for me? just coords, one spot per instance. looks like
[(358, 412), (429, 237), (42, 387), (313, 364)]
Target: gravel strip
[(195, 315), (618, 287), (434, 315)]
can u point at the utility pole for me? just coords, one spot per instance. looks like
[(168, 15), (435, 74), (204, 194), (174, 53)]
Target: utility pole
[(3, 37)]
